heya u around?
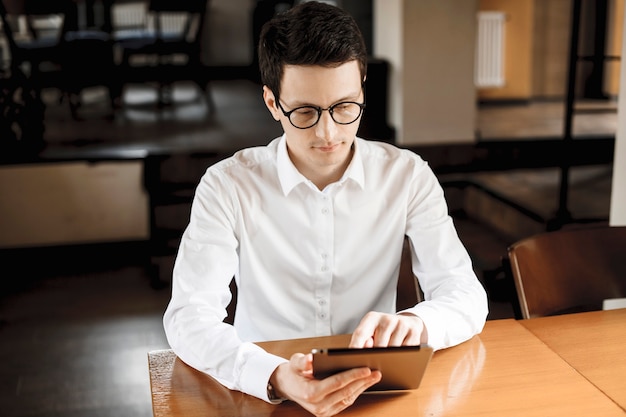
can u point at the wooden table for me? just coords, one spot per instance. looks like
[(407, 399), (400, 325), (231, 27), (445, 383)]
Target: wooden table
[(504, 371), (592, 343)]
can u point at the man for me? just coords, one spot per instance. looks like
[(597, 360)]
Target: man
[(312, 227)]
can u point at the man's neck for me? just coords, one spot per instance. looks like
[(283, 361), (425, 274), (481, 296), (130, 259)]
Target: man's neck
[(322, 180), (324, 176)]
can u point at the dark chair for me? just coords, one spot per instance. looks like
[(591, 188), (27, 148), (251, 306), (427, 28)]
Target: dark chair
[(30, 56), (409, 292), (21, 116), (569, 270), (37, 28), (170, 181), (166, 47), (55, 50), (94, 68)]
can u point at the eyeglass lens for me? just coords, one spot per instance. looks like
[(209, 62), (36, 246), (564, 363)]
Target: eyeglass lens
[(342, 113)]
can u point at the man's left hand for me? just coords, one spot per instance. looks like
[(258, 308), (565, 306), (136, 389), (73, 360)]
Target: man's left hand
[(383, 330)]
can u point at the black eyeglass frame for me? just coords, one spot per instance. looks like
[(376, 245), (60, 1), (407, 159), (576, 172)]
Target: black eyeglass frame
[(319, 111)]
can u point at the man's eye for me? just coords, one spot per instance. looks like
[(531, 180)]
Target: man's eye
[(306, 111)]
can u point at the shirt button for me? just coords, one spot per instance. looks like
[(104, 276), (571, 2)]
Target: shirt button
[(321, 302), (322, 315), (325, 268), (324, 210), (324, 255)]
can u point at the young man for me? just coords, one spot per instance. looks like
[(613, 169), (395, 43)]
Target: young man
[(312, 227)]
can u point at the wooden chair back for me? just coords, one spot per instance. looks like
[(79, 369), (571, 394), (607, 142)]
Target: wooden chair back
[(569, 270)]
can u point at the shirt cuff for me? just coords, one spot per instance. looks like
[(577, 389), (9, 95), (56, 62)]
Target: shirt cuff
[(257, 372), (432, 324)]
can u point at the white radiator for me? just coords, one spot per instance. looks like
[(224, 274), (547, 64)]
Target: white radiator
[(489, 63)]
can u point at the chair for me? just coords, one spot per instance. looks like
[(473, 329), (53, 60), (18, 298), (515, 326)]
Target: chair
[(409, 292), (164, 46), (21, 106), (569, 270), (51, 46), (170, 181), (35, 29), (88, 58)]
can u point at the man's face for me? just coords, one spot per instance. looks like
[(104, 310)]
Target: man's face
[(326, 146)]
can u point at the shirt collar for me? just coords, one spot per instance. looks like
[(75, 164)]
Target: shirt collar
[(290, 177), (355, 170)]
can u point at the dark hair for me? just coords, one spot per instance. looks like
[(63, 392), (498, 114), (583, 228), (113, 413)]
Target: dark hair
[(311, 33)]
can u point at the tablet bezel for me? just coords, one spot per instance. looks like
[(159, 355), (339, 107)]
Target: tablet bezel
[(403, 367)]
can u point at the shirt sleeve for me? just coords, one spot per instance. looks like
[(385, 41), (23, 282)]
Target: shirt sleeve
[(205, 265), (455, 302)]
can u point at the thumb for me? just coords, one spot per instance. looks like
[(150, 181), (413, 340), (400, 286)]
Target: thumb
[(301, 363)]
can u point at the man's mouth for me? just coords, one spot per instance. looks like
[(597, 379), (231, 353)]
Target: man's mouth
[(328, 148)]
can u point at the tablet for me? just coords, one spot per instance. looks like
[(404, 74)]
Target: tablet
[(402, 367)]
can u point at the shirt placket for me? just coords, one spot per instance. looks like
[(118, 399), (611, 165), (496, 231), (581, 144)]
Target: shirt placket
[(325, 265)]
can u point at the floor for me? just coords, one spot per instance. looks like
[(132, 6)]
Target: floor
[(74, 334), (76, 345)]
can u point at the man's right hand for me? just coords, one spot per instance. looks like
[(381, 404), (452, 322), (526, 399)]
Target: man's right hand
[(326, 397)]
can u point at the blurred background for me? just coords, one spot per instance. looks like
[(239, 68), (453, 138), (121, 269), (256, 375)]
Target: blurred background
[(111, 110)]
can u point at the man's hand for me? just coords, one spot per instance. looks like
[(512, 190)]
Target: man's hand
[(294, 380), (382, 330)]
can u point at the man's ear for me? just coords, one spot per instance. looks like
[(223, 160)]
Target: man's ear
[(270, 102)]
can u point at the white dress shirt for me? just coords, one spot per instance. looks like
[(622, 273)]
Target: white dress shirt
[(310, 262)]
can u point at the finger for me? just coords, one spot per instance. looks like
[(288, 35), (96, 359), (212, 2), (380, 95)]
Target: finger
[(398, 330), (364, 331), (308, 363), (415, 329), (413, 338), (401, 333), (341, 380), (331, 391), (397, 337), (301, 363), (369, 343), (348, 395), (385, 329), (363, 384), (382, 335)]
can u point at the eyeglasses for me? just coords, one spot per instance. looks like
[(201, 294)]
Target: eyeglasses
[(305, 117)]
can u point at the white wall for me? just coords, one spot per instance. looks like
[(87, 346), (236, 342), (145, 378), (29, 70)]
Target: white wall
[(387, 45), (72, 202), (618, 194), (430, 47)]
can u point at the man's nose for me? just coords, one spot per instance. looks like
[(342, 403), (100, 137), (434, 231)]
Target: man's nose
[(326, 126)]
